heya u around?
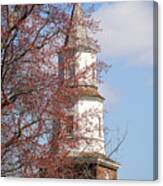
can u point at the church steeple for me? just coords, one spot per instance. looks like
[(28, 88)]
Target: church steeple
[(77, 36), (77, 70)]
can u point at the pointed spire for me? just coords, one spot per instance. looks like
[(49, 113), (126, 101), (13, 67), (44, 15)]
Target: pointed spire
[(77, 37), (77, 12)]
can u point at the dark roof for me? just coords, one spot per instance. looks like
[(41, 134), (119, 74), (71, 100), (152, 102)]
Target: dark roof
[(96, 155)]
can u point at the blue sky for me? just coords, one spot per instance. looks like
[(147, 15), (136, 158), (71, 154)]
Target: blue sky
[(126, 43)]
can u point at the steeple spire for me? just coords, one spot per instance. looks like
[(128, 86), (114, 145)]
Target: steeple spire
[(77, 37)]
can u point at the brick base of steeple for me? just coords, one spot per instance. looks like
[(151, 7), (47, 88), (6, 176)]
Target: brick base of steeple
[(87, 167)]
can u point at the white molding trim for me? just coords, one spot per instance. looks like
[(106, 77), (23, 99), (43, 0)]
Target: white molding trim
[(108, 163)]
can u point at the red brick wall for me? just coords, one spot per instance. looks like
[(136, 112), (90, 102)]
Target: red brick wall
[(105, 173)]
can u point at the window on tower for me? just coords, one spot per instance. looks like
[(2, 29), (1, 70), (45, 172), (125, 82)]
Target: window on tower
[(93, 73), (99, 127), (71, 70), (69, 126)]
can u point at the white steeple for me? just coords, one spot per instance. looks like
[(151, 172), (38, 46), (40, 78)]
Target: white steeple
[(90, 105), (81, 49)]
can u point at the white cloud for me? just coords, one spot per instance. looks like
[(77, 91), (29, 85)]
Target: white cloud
[(127, 31), (110, 94)]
